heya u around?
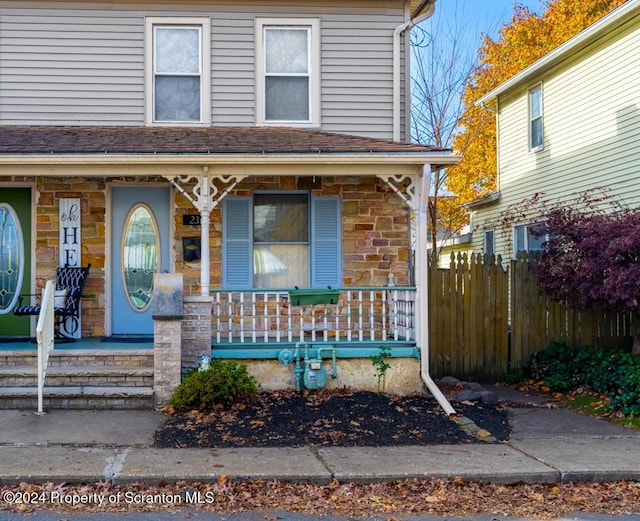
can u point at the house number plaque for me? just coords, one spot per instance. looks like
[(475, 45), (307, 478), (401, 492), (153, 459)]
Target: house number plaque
[(191, 219)]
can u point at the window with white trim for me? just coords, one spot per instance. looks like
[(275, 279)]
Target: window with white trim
[(488, 242), (526, 237), (536, 133), (281, 239), (288, 72), (178, 70)]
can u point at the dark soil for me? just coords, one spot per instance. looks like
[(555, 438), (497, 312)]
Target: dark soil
[(342, 418)]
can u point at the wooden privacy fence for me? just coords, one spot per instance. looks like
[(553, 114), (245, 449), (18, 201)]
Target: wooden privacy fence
[(472, 334), (536, 320), (468, 318)]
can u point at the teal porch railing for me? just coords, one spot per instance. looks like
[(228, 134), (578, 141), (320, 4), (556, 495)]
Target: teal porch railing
[(280, 316)]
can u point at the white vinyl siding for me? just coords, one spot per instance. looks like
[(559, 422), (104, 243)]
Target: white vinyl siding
[(85, 64), (591, 129), (61, 66)]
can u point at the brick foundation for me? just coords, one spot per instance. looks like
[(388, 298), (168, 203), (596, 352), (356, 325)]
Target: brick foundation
[(166, 360), (196, 331)]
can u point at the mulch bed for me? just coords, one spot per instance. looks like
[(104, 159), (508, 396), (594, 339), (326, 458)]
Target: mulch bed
[(330, 418)]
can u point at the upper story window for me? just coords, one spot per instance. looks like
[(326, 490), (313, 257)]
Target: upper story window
[(288, 72), (178, 70), (527, 237), (536, 134)]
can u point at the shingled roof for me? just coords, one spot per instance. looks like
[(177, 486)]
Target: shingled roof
[(84, 140)]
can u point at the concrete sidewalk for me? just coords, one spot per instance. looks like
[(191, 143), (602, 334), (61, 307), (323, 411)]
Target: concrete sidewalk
[(547, 445)]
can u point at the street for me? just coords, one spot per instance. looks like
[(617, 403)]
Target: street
[(276, 516)]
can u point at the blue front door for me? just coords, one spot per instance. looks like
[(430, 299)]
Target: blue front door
[(140, 248)]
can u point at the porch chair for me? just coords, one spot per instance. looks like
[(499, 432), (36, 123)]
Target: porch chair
[(70, 282)]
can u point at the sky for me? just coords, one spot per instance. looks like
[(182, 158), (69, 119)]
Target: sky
[(481, 16)]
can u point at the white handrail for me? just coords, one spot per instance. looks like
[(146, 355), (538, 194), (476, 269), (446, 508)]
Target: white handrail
[(45, 337)]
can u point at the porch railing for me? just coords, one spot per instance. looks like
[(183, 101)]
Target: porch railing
[(361, 314), (45, 337)]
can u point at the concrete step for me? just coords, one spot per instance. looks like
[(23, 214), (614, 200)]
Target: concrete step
[(79, 379), (80, 357), (75, 376), (78, 397)]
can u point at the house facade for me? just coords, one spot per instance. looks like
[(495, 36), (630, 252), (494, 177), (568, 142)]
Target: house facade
[(567, 125), (248, 148)]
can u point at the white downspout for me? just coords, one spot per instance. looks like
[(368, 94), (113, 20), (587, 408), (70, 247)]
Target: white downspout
[(422, 292), (396, 64)]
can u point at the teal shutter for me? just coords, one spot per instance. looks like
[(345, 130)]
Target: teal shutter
[(237, 245), (326, 251)]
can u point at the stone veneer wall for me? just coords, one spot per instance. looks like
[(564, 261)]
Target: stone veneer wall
[(374, 220), (93, 210)]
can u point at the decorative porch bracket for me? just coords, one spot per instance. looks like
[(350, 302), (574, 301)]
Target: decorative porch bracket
[(205, 196), (409, 194)]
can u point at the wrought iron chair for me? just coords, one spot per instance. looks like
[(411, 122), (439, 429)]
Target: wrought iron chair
[(70, 282)]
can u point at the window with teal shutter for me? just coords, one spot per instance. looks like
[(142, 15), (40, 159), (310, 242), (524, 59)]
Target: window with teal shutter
[(281, 239), (326, 265), (237, 264)]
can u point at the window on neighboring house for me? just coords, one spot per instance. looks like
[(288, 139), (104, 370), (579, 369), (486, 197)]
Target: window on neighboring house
[(178, 70), (488, 242), (288, 71), (536, 135), (281, 239), (526, 238)]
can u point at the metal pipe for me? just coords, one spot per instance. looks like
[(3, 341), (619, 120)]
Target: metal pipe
[(422, 293), (396, 64), (334, 373)]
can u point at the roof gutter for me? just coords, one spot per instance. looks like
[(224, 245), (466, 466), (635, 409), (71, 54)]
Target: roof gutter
[(423, 12), (374, 158)]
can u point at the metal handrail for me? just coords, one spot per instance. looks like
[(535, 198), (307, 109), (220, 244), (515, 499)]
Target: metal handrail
[(45, 337)]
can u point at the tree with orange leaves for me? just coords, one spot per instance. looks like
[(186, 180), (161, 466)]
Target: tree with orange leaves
[(526, 38)]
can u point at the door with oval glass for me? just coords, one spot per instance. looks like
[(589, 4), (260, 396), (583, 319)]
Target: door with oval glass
[(140, 248), (15, 258)]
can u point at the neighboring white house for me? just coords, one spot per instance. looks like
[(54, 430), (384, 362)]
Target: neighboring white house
[(568, 123)]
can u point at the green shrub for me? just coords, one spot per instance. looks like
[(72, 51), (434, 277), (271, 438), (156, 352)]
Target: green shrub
[(222, 384), (615, 373)]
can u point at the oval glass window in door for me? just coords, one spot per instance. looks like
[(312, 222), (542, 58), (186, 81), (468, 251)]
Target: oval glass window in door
[(140, 256), (11, 258)]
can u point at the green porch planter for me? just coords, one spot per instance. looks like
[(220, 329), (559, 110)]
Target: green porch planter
[(313, 296)]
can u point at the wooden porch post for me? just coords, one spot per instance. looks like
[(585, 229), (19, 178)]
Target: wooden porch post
[(205, 212)]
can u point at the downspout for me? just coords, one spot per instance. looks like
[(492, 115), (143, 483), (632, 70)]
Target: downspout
[(422, 293), (430, 8)]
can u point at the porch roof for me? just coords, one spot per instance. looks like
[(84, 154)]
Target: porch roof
[(45, 139)]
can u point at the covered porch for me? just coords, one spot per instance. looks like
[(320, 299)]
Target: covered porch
[(376, 192)]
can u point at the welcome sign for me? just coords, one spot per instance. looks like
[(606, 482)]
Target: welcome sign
[(70, 232), (70, 242)]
